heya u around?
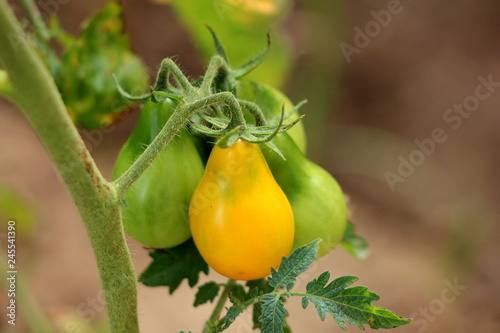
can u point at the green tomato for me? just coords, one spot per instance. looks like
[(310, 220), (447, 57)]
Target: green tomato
[(156, 212), (270, 100), (317, 201)]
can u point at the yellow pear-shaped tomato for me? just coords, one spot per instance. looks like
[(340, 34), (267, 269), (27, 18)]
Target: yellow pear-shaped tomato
[(240, 219)]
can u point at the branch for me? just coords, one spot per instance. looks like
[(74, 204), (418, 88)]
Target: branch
[(36, 94), (220, 305)]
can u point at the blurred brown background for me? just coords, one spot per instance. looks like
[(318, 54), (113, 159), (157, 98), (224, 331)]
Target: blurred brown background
[(433, 235)]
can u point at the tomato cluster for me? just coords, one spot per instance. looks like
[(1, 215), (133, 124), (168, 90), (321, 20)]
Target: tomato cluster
[(246, 207)]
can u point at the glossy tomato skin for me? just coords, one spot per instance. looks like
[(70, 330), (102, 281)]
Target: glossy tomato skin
[(156, 212), (240, 219), (318, 203), (270, 100)]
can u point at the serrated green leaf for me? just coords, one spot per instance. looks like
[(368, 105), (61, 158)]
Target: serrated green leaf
[(233, 312), (206, 293), (275, 149), (171, 266), (273, 314), (351, 305), (354, 244), (258, 287), (238, 294), (297, 263)]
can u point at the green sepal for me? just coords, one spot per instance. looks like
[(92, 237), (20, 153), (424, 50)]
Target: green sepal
[(166, 94), (275, 149), (204, 130), (254, 62), (230, 138), (219, 47), (129, 96), (215, 121)]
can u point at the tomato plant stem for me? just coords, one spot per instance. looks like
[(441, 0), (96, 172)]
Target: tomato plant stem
[(35, 93), (220, 305)]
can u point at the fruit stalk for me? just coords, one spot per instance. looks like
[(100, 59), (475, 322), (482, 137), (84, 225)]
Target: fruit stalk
[(220, 305)]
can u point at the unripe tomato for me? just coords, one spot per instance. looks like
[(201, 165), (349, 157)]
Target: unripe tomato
[(157, 203), (318, 204), (270, 100), (240, 219)]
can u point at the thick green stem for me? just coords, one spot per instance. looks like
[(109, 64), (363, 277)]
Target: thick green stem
[(35, 92), (220, 304)]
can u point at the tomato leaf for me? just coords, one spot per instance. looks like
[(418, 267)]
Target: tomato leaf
[(171, 266), (353, 243), (258, 287), (238, 294), (351, 305), (273, 314), (346, 305), (297, 263), (206, 293), (234, 311)]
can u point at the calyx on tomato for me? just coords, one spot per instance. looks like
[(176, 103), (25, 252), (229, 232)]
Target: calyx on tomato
[(271, 101)]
